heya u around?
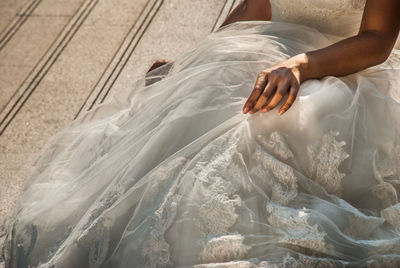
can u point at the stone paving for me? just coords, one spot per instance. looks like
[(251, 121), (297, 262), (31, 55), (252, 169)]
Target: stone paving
[(59, 58)]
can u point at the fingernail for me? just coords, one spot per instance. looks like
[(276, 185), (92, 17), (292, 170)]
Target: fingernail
[(246, 110), (264, 110), (281, 112)]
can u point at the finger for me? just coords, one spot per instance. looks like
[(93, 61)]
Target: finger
[(258, 88), (263, 99), (290, 100), (255, 94), (280, 92)]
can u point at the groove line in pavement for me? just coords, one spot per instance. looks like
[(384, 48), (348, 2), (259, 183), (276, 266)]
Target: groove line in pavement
[(121, 57), (44, 65), (18, 21), (226, 9), (111, 74), (133, 47), (217, 21), (20, 91)]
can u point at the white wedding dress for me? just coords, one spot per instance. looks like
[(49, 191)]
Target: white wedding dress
[(173, 174)]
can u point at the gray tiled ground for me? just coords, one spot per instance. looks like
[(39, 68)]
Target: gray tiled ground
[(11, 77), (57, 8), (32, 40), (23, 52), (163, 40), (8, 11), (116, 12), (97, 42)]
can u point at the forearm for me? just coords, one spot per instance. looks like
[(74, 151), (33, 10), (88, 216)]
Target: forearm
[(346, 57), (379, 29)]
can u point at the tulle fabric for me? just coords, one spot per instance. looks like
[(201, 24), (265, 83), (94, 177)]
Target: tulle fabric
[(173, 174)]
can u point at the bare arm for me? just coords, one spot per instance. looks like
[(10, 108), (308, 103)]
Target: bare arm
[(378, 33)]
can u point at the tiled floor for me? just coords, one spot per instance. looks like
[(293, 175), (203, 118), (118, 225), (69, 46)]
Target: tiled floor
[(59, 58)]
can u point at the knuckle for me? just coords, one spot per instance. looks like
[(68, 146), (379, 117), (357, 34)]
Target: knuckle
[(261, 75), (268, 91), (273, 74), (282, 90)]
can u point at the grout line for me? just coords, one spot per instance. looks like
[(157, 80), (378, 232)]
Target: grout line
[(18, 21), (121, 57), (47, 62)]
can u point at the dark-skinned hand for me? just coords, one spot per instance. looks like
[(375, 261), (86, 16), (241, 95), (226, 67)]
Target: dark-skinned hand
[(274, 84)]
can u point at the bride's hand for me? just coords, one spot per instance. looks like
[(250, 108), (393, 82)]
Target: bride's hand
[(273, 85)]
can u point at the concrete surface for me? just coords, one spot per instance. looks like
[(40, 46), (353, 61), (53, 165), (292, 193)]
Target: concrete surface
[(59, 58)]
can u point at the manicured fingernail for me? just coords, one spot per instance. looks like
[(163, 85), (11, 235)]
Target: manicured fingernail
[(281, 112), (264, 110), (246, 110)]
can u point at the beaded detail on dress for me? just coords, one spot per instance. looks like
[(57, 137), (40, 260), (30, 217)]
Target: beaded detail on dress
[(337, 17)]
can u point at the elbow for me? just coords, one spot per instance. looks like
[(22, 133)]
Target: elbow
[(382, 55), (381, 46)]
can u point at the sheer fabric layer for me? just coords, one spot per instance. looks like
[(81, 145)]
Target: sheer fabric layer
[(173, 174)]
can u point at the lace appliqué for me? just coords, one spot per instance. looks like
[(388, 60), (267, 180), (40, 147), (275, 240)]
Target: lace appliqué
[(156, 248), (231, 264), (219, 171), (392, 215), (297, 230), (387, 170), (276, 175), (276, 144), (359, 226), (388, 164), (220, 174), (224, 248), (384, 194), (325, 157), (302, 262), (218, 214), (287, 262)]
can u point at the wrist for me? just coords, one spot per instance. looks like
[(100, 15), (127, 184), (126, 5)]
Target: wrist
[(301, 66)]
